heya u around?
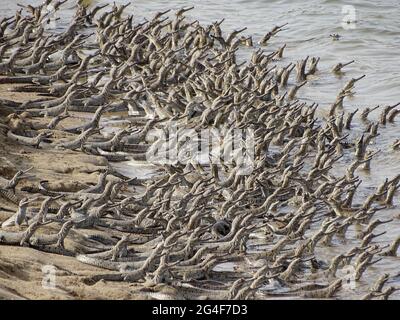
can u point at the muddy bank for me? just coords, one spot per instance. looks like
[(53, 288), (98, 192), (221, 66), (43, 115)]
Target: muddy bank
[(21, 273)]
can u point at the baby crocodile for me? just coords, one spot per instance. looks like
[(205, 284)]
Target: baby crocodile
[(33, 142)]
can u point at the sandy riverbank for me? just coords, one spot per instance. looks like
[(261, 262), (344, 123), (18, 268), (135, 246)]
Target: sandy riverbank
[(21, 272)]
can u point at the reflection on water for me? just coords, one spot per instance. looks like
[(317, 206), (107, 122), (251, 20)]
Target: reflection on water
[(374, 44)]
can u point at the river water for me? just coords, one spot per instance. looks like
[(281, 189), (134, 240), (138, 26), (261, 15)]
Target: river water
[(372, 40)]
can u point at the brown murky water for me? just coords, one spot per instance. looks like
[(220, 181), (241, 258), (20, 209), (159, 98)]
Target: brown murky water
[(372, 41)]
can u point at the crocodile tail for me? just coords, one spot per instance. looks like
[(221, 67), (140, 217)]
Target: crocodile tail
[(9, 195)]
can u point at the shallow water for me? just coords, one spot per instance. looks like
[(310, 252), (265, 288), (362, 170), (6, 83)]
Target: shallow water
[(373, 43)]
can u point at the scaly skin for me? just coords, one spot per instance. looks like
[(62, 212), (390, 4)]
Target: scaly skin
[(33, 142)]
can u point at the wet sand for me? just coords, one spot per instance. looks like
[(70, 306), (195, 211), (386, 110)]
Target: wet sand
[(21, 273)]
